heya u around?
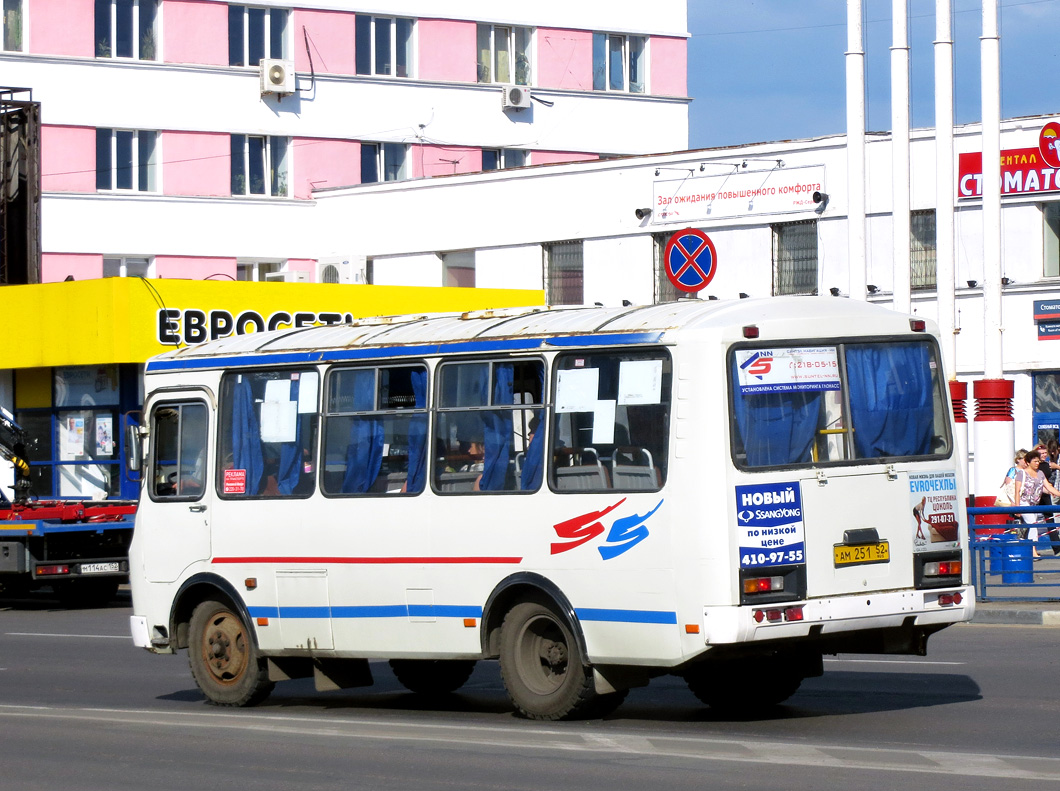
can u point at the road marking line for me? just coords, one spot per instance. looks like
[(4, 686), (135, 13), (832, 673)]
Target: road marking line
[(894, 661), (518, 737)]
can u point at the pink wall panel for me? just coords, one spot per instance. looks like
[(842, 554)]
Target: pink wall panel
[(196, 163), (318, 163), (429, 161), (68, 158), (56, 266), (331, 39), (195, 32), (62, 27), (565, 59), (552, 157), (447, 50), (669, 66), (175, 267)]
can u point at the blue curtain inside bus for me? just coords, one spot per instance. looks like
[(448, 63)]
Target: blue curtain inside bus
[(290, 469), (417, 472), (530, 475), (890, 399), (497, 430), (246, 435), (364, 453), (775, 428)]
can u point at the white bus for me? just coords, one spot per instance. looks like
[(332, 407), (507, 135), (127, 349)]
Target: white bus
[(722, 490)]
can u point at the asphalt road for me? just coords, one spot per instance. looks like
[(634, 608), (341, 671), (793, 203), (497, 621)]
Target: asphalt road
[(82, 708)]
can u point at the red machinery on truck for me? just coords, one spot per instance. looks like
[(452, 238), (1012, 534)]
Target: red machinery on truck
[(80, 549)]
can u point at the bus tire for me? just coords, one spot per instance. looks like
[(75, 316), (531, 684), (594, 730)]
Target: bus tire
[(542, 666), (750, 686), (432, 676), (224, 658)]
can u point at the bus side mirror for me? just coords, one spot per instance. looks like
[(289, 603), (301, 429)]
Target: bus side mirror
[(133, 446)]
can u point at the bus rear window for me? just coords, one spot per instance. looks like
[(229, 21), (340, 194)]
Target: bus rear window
[(810, 405)]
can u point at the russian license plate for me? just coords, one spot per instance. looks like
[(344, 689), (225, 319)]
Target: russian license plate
[(100, 568), (861, 554)]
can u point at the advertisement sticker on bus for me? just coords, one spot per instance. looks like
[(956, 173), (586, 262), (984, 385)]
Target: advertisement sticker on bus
[(787, 370), (933, 502), (769, 524), (235, 482)]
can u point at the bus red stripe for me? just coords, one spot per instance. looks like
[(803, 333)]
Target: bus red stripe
[(408, 560)]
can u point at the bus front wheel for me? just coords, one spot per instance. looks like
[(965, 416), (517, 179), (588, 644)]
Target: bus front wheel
[(432, 676), (542, 665), (223, 657)]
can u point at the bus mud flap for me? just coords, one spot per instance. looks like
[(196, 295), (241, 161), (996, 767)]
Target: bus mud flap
[(331, 674)]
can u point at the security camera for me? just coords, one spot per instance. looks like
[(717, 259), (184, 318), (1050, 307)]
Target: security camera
[(642, 213)]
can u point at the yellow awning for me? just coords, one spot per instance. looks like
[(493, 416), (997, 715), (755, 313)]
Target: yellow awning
[(128, 320)]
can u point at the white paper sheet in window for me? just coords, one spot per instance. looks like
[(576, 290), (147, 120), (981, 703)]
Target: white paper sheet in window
[(604, 423), (278, 419), (278, 390), (640, 382), (307, 392), (576, 391)]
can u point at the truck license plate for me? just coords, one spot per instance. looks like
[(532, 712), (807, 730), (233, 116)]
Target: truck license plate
[(100, 568), (861, 554)]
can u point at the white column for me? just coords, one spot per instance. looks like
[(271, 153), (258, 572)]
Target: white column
[(900, 153), (855, 74), (945, 261), (991, 97)]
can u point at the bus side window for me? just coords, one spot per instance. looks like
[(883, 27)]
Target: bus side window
[(485, 427), (375, 436), (178, 456), (267, 433), (611, 421)]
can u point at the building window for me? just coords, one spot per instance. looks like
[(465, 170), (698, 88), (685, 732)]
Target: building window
[(259, 271), (126, 160), (383, 162), (504, 54), (1051, 213), (126, 266), (922, 249), (795, 258), (256, 33), (125, 29), (665, 291), (259, 165), (619, 63), (459, 269), (564, 273), (502, 158), (383, 46), (13, 25)]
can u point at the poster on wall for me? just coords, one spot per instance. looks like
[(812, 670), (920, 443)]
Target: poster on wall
[(104, 435), (74, 436)]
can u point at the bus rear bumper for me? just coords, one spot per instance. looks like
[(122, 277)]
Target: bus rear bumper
[(931, 609)]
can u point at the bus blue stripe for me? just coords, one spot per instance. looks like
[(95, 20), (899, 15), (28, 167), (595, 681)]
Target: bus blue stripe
[(626, 616), (376, 352)]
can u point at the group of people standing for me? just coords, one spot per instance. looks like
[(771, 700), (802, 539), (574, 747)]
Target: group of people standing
[(1035, 480)]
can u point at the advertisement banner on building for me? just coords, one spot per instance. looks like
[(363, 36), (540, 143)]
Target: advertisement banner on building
[(1024, 171), (741, 193)]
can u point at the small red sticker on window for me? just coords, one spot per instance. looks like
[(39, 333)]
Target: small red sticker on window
[(235, 482)]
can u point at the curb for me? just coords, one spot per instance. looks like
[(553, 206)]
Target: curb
[(1018, 617)]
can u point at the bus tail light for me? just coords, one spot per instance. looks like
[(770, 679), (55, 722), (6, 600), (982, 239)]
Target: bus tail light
[(950, 599), (763, 584), (750, 331), (48, 571), (917, 325), (943, 568), (775, 614)]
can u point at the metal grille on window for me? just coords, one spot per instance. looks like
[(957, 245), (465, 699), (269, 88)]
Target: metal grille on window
[(665, 291), (922, 249), (795, 258), (563, 273)]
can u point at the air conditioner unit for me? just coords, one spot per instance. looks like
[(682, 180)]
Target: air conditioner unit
[(515, 97), (341, 269), (277, 77)]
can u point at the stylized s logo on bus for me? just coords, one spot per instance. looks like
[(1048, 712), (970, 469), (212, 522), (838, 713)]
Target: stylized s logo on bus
[(761, 366)]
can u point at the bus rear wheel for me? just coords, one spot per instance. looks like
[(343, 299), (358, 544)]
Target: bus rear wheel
[(432, 676), (223, 657), (542, 665)]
